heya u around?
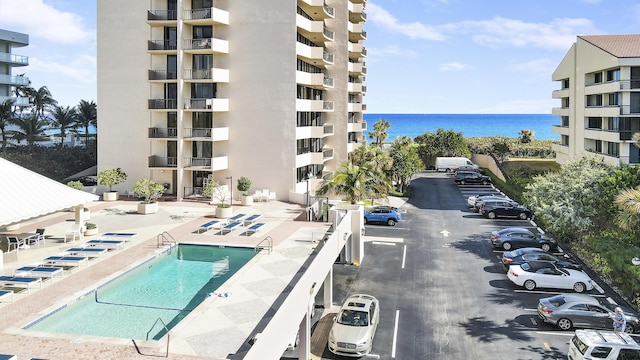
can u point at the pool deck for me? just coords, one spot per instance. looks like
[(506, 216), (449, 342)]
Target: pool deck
[(217, 329)]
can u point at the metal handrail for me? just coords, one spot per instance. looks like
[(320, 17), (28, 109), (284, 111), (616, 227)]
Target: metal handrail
[(269, 247), (165, 328), (165, 238)]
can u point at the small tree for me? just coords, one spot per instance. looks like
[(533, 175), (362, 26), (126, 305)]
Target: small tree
[(244, 184), (111, 177), (149, 190), (75, 185), (213, 189)]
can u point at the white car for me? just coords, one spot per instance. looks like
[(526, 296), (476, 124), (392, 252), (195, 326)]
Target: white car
[(534, 274), (355, 325), (474, 200)]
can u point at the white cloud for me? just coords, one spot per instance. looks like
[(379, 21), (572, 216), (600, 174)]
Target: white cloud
[(453, 66), (83, 69), (38, 19), (414, 30)]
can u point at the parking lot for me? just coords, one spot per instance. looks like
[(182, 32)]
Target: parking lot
[(442, 289)]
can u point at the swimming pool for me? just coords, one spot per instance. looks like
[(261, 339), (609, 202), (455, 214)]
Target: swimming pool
[(168, 287)]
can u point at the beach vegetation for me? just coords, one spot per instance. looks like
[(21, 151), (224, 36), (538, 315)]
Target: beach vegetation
[(379, 133), (356, 183), (441, 144), (405, 162)]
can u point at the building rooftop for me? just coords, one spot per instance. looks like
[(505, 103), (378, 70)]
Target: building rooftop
[(621, 46)]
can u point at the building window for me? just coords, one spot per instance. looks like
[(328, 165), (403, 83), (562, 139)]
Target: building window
[(613, 75), (565, 121), (565, 83), (614, 99), (597, 77), (594, 123), (564, 140), (613, 148), (594, 100), (613, 123), (565, 103), (598, 146)]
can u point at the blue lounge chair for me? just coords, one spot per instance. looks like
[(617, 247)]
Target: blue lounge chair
[(108, 244), (63, 260), (88, 251), (38, 271), (230, 227), (213, 224), (237, 217), (118, 235), (254, 228), (20, 281), (251, 219), (6, 294)]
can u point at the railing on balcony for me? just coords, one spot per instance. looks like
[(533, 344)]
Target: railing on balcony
[(363, 34), (327, 56), (159, 161), (198, 103), (327, 33), (162, 133), (159, 104), (197, 14), (198, 132), (327, 81), (327, 153), (14, 80), (15, 59), (364, 15), (327, 129), (197, 162), (328, 9), (198, 74), (162, 75), (162, 45), (327, 105), (198, 44), (630, 109), (629, 84), (159, 15)]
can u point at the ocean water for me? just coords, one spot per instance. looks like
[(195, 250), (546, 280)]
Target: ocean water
[(470, 125)]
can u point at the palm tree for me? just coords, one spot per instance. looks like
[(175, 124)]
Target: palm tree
[(356, 183), (40, 99), (628, 201), (87, 116), (64, 118), (379, 132), (7, 114), (31, 129)]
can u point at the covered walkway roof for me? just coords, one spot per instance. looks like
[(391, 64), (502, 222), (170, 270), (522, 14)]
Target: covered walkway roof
[(25, 194)]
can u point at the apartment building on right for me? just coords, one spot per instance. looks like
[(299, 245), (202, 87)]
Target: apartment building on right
[(599, 95)]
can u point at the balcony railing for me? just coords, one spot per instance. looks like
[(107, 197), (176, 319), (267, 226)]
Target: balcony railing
[(162, 75), (162, 15), (159, 104), (327, 129), (198, 132), (163, 133), (629, 84), (14, 80), (328, 9), (162, 45), (327, 33), (327, 56), (327, 81), (159, 161), (14, 59), (327, 153), (327, 105)]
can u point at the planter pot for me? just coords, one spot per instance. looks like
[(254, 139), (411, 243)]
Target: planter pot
[(147, 208), (247, 200), (224, 213), (110, 196), (90, 232)]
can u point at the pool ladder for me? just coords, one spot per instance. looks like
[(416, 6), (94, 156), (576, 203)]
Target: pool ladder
[(148, 332), (165, 238), (268, 247)]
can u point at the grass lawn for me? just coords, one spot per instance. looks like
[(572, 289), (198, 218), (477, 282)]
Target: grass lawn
[(516, 165)]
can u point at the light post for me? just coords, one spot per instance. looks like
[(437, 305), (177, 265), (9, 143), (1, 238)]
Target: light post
[(231, 181)]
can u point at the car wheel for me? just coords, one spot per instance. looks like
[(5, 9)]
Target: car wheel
[(579, 287), (491, 215), (529, 284), (366, 221), (629, 329), (546, 247), (506, 246), (391, 222), (523, 216), (564, 324)]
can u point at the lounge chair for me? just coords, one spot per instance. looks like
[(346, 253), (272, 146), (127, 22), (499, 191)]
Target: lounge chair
[(73, 234), (20, 281), (251, 219), (6, 294), (213, 224), (89, 251), (13, 241), (63, 260), (254, 228), (38, 271), (40, 233), (118, 235), (230, 227), (237, 217), (108, 244)]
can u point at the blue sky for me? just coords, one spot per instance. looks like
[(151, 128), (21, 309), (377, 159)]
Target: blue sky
[(424, 56)]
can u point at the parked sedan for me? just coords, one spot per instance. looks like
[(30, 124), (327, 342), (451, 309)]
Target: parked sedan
[(471, 177), (519, 256), (382, 214), (355, 325), (515, 237), (583, 311), (474, 200), (535, 274), (504, 208)]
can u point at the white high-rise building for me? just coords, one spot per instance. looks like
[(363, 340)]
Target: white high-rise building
[(8, 60), (269, 90)]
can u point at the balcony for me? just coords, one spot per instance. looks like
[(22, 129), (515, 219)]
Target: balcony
[(354, 87), (162, 17), (309, 158), (327, 81), (602, 111), (318, 8), (163, 104), (313, 79), (355, 67), (162, 162), (162, 75), (13, 60), (327, 154), (560, 149), (14, 80), (163, 133), (355, 49), (354, 107), (327, 130), (313, 54), (309, 132), (17, 101), (162, 46), (206, 45), (217, 105), (313, 105), (206, 16), (356, 126), (559, 129), (207, 75), (602, 88), (603, 135), (630, 84), (560, 111), (213, 134), (309, 28), (211, 164), (560, 93)]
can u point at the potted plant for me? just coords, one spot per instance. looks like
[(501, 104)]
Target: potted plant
[(90, 229), (149, 191), (244, 184), (75, 185), (111, 177), (216, 191)]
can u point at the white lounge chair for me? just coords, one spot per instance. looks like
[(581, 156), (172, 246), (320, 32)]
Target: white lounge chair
[(38, 271), (254, 229), (89, 251), (20, 281), (251, 219), (6, 294), (230, 227), (63, 260), (213, 224), (109, 244)]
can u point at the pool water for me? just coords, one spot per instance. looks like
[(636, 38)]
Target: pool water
[(168, 287)]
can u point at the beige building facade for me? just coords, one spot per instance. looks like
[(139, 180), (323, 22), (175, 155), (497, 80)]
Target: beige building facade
[(8, 61), (599, 96), (190, 90)]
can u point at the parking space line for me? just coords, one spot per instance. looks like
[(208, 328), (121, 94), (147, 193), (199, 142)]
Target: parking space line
[(404, 256), (395, 335), (383, 243)]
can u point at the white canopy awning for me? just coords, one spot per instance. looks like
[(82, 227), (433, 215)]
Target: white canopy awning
[(25, 194)]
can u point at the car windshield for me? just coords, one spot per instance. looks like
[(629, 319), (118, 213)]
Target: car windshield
[(353, 318)]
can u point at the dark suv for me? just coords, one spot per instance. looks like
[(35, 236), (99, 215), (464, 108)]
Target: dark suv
[(504, 208), (470, 177)]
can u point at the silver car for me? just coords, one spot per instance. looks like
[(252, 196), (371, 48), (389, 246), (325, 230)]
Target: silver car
[(582, 311), (355, 325)]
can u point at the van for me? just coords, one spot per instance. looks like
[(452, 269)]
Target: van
[(449, 164), (606, 345)]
